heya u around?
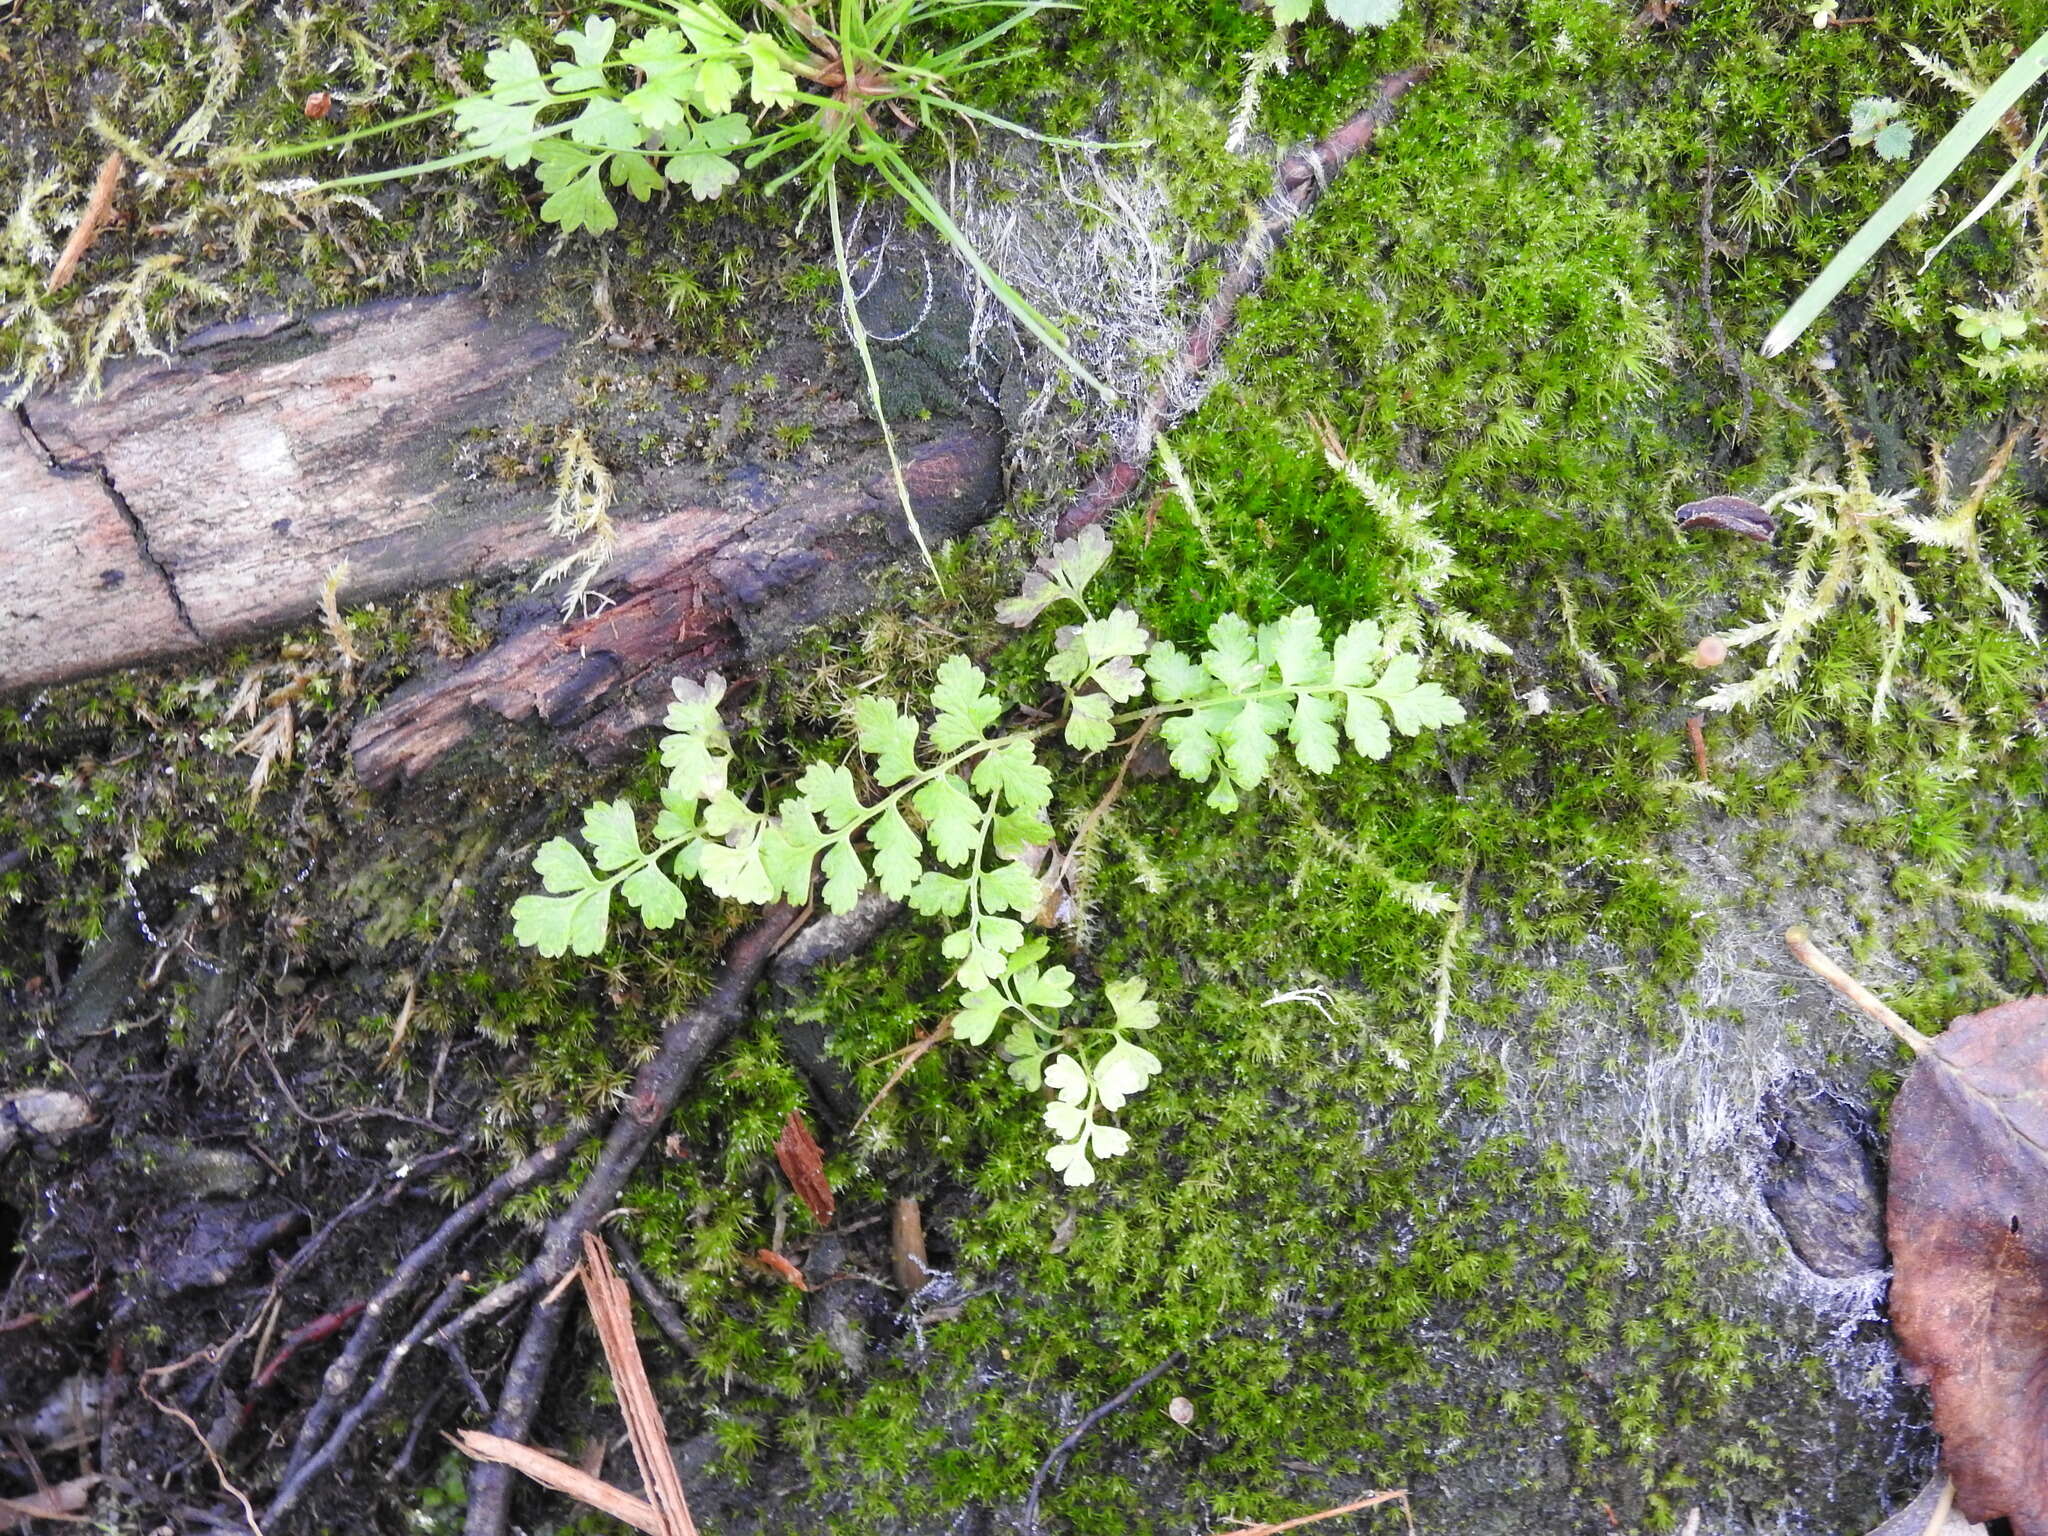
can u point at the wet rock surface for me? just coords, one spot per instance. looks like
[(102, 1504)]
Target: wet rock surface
[(1823, 1184)]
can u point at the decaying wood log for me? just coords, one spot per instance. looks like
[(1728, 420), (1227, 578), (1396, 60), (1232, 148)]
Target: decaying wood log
[(209, 499), (687, 591)]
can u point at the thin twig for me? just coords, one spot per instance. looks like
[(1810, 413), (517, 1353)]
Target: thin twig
[(98, 208), (657, 1303), (1730, 358), (688, 1039), (1299, 181), (611, 1312), (1370, 1501), (296, 1484), (1800, 942), (314, 1440), (1056, 1463)]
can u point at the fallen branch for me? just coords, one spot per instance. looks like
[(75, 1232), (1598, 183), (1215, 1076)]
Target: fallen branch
[(316, 1447), (1299, 182), (1054, 1464), (688, 1039), (296, 1484)]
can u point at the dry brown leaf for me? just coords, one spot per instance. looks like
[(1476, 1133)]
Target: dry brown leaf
[(803, 1164), (64, 1501), (1968, 1222), (550, 1472), (98, 208), (782, 1269), (611, 1309)]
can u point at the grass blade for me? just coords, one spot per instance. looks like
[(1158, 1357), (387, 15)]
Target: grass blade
[(857, 329), (1991, 199), (1926, 179)]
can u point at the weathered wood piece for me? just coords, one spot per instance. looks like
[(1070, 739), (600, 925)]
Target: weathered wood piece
[(78, 592), (208, 499), (686, 592)]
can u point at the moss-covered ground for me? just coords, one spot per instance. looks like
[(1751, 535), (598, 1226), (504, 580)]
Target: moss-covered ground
[(1381, 1267)]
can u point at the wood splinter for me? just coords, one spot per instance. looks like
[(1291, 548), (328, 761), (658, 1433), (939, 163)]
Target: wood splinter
[(98, 209)]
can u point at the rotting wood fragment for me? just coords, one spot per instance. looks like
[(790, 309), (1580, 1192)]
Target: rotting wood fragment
[(803, 1164), (907, 1257)]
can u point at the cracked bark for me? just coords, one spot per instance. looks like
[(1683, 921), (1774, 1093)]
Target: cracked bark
[(207, 500), (143, 553)]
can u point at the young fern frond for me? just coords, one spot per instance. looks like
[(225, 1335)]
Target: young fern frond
[(957, 805)]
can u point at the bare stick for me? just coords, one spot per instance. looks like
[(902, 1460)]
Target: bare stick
[(688, 1039), (1370, 1501), (658, 1306), (369, 1332), (490, 1484), (1299, 182), (1800, 942), (1057, 1461), (296, 1484)]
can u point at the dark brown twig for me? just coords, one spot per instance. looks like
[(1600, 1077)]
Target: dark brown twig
[(654, 1299), (296, 1483), (1299, 182), (1056, 1463), (314, 1441), (688, 1039)]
